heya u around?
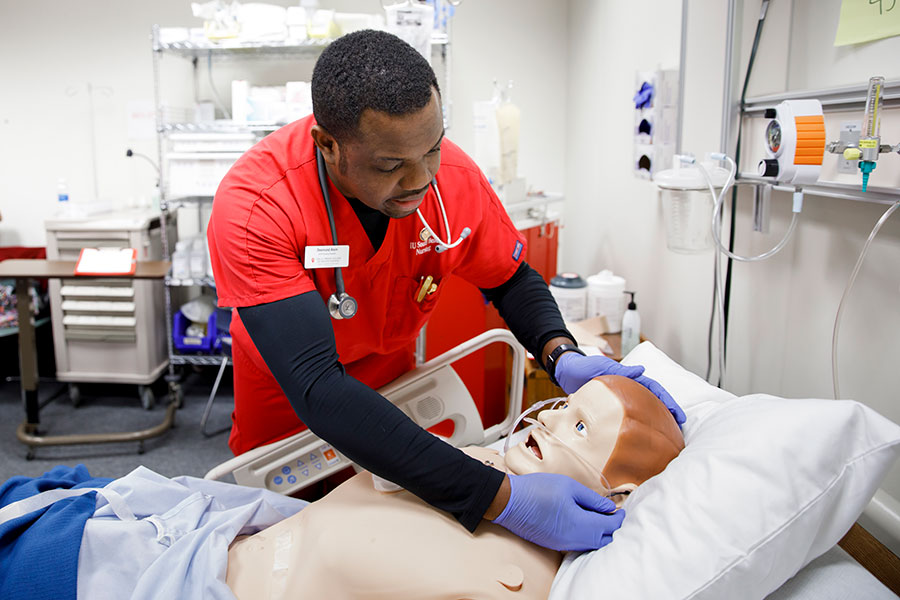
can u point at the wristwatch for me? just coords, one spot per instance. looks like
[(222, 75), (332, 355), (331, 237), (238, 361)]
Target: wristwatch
[(550, 367)]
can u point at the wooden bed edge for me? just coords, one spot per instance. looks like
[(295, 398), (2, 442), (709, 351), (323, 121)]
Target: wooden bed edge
[(873, 555)]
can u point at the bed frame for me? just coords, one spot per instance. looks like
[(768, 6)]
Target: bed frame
[(873, 555), (433, 393), (429, 395)]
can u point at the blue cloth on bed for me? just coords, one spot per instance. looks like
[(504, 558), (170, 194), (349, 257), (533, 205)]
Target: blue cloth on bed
[(39, 550)]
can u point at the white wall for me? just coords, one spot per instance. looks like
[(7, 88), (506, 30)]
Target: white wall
[(782, 310), (522, 40), (614, 220), (51, 50)]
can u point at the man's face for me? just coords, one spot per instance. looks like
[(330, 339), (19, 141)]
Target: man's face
[(391, 161), (587, 423)]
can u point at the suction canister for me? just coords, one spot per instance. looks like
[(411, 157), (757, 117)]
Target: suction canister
[(687, 206)]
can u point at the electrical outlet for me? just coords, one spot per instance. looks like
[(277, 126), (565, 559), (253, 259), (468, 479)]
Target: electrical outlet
[(850, 131)]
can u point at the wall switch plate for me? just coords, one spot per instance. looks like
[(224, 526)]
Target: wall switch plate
[(850, 131)]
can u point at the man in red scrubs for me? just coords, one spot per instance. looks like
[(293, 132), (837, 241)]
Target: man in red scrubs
[(413, 208)]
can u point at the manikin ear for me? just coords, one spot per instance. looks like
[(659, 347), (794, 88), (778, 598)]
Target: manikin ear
[(327, 145), (511, 577), (619, 493)]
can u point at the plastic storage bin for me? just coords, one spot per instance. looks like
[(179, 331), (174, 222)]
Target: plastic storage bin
[(187, 344), (223, 334), (197, 173), (212, 142)]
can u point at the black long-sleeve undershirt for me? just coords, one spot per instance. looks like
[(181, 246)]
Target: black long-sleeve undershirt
[(528, 307), (295, 338)]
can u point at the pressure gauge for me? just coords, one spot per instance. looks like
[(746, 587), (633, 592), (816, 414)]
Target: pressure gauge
[(794, 142), (773, 136)]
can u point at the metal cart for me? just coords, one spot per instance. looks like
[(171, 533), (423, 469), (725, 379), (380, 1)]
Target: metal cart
[(108, 330)]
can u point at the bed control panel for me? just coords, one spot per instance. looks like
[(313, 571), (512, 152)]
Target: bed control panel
[(304, 460)]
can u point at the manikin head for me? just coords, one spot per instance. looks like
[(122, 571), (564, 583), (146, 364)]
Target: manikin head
[(615, 425), (379, 121)]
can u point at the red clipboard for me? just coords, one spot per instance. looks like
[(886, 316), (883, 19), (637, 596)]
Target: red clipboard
[(106, 261)]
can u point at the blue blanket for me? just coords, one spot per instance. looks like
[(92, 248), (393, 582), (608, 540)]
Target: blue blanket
[(39, 551)]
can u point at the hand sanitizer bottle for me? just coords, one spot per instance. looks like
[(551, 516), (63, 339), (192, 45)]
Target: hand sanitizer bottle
[(631, 327)]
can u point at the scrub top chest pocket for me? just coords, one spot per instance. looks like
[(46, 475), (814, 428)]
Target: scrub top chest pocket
[(412, 300)]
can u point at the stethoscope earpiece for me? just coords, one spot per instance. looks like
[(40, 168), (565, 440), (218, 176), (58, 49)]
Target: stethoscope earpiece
[(443, 248)]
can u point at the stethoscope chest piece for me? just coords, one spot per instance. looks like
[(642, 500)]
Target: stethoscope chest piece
[(342, 306)]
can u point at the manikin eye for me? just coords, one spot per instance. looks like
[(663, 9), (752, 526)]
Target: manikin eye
[(580, 427), (565, 405)]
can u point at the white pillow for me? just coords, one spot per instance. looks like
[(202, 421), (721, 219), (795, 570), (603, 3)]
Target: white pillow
[(763, 486)]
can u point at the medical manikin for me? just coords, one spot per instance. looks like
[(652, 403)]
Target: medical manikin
[(359, 543)]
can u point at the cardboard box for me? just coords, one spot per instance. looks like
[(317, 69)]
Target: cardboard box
[(538, 385)]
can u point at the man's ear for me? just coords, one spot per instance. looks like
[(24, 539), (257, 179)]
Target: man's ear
[(327, 145), (621, 492)]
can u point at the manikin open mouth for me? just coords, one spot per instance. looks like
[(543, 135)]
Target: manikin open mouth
[(533, 445)]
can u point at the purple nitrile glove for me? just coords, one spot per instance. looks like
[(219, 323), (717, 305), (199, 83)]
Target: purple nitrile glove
[(557, 512), (574, 370)]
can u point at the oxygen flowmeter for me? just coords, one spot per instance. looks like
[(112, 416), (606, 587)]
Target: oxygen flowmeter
[(870, 139), (868, 148)]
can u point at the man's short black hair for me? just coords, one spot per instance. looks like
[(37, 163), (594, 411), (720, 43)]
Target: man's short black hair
[(368, 69)]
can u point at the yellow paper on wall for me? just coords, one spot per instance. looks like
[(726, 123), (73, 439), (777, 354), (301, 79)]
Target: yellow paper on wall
[(867, 20)]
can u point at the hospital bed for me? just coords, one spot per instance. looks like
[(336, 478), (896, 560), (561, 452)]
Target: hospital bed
[(785, 551), (751, 508)]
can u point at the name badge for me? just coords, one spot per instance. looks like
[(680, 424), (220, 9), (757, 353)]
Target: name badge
[(326, 257)]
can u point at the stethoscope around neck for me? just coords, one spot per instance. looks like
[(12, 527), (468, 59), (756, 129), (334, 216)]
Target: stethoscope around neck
[(342, 305)]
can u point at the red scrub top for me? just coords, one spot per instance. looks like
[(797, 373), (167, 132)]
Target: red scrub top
[(269, 207)]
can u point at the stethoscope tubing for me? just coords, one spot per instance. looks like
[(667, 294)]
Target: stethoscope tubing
[(340, 292), (323, 184)]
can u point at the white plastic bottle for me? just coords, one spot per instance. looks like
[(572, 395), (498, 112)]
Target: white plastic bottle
[(570, 292), (631, 327), (63, 208), (606, 296), (181, 260), (198, 257)]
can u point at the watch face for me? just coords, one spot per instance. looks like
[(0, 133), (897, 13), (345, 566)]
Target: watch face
[(773, 136)]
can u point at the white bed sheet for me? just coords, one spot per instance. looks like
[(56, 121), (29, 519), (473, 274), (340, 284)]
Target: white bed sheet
[(833, 576)]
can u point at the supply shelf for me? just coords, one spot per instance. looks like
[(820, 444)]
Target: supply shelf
[(233, 49), (179, 201), (171, 125), (220, 127), (201, 360), (240, 50), (190, 282)]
